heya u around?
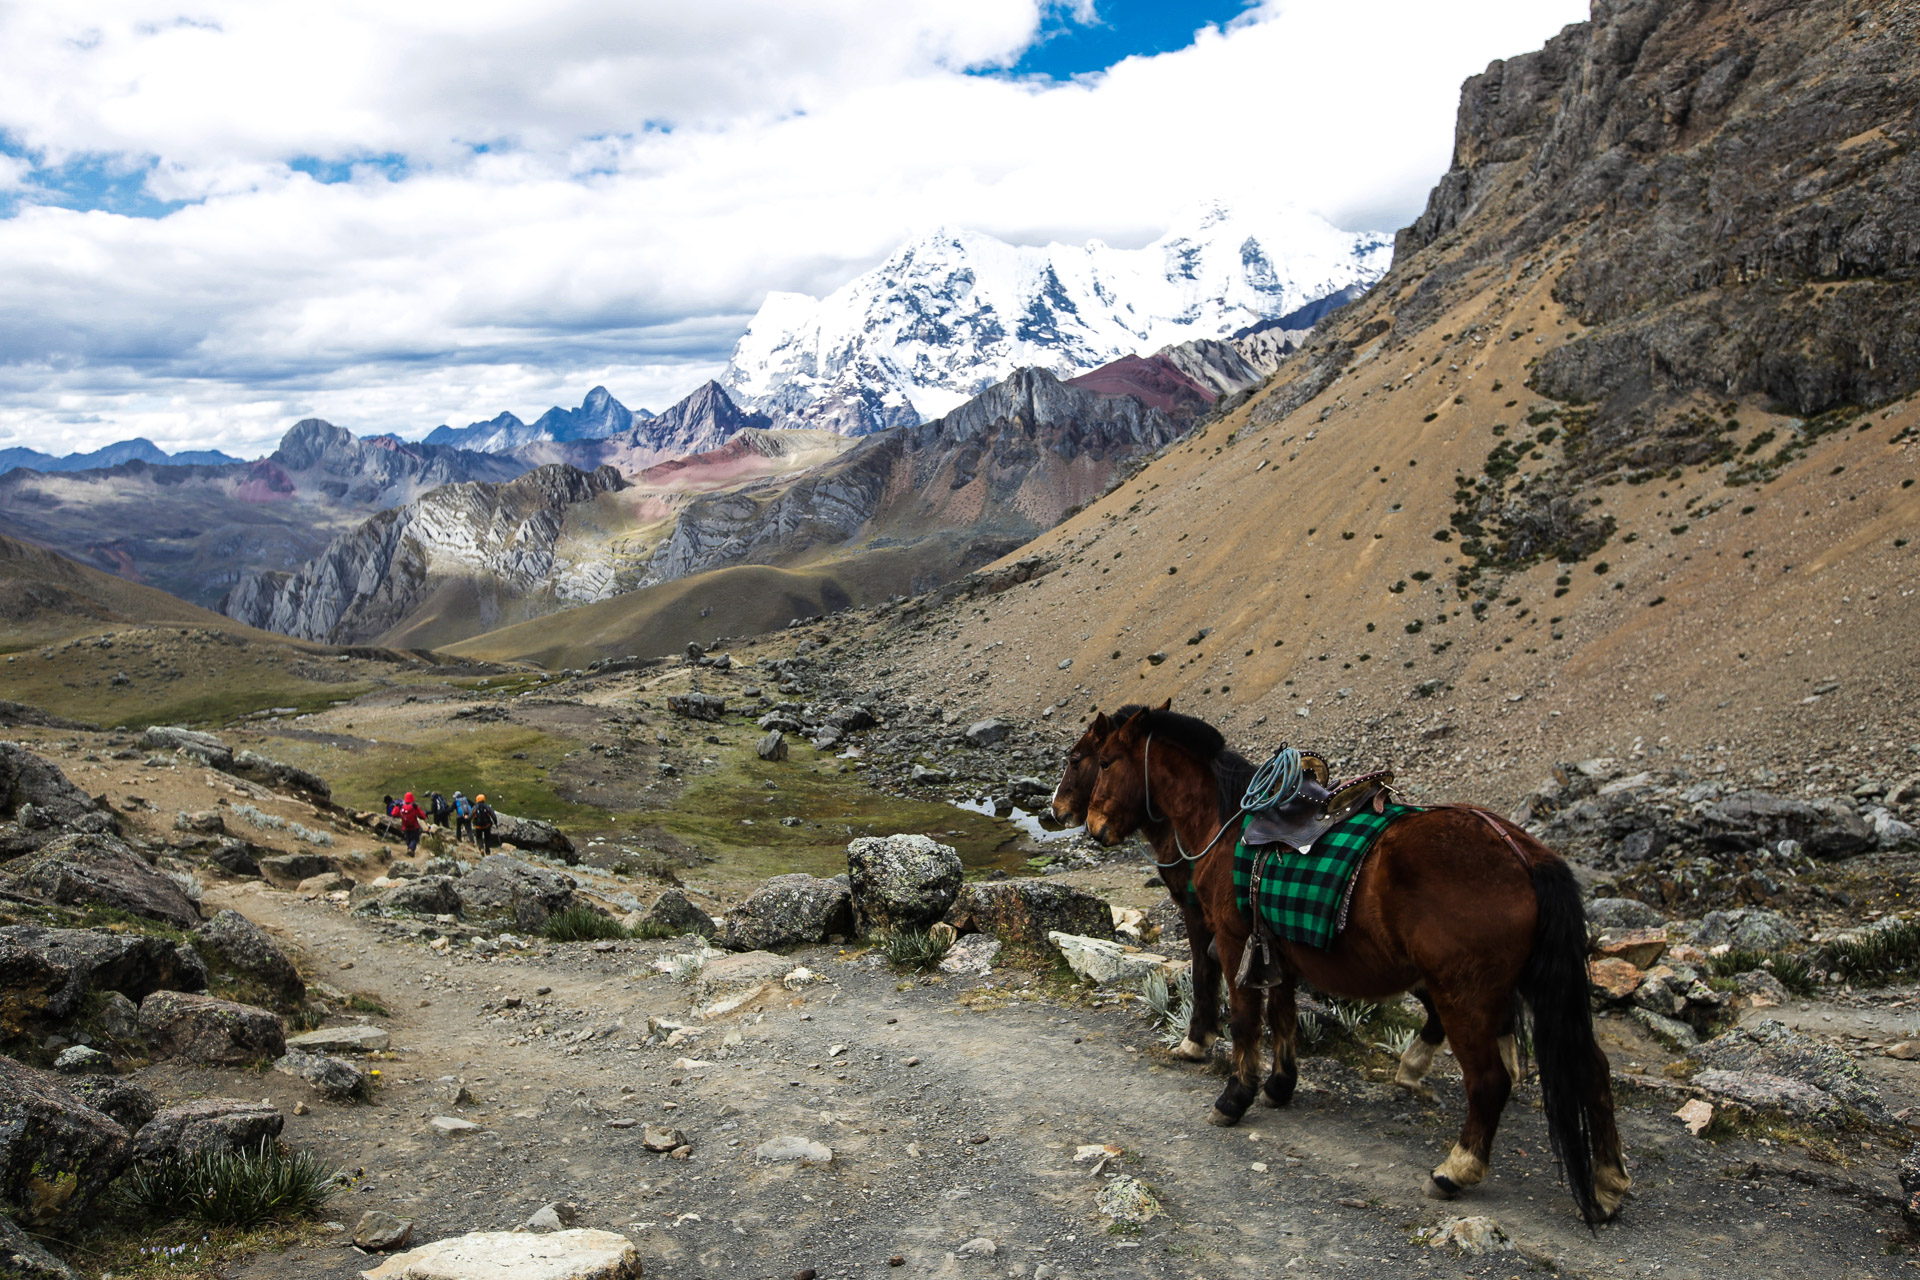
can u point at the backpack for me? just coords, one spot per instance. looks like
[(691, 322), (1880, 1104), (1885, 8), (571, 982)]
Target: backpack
[(483, 816), (440, 808), (462, 806)]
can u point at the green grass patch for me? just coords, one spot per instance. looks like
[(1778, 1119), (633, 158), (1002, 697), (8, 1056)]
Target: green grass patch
[(1793, 972), (233, 1189), (1876, 956), (916, 950), (582, 924)]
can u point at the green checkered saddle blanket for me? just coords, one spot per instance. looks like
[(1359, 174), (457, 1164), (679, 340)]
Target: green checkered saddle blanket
[(1303, 897)]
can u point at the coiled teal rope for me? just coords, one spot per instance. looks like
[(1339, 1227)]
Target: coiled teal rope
[(1275, 782)]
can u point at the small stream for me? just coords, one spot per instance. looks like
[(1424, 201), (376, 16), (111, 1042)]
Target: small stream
[(1033, 826)]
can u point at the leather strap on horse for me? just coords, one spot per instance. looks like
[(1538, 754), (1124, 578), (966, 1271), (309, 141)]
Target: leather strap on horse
[(1500, 829)]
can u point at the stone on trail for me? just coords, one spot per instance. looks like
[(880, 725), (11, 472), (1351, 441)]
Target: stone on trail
[(793, 1150), (1471, 1237), (674, 910), (236, 945), (426, 895), (1759, 989), (207, 1126), (452, 1126), (1102, 962), (287, 870), (552, 1216), (978, 1247), (657, 1137), (202, 1029), (1910, 1185), (379, 1231), (1768, 1048), (57, 1153), (788, 911), (902, 881), (579, 1254), (1024, 912), (359, 1038), (1764, 1091), (973, 954), (520, 891), (1125, 1199), (1696, 1114), (100, 871), (331, 1077)]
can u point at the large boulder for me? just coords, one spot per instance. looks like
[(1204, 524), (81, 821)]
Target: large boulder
[(218, 1032), (203, 747), (1747, 929), (274, 773), (101, 871), (204, 1127), (287, 870), (788, 911), (535, 836), (46, 975), (987, 733), (39, 804), (697, 706), (1621, 913), (578, 1254), (423, 896), (507, 887), (331, 1077), (1771, 1049), (1026, 911), (56, 1153), (675, 911), (1748, 819), (130, 1104), (22, 1257), (236, 947), (902, 881)]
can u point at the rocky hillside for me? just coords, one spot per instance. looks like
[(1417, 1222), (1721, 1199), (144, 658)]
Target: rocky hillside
[(475, 555), (949, 314), (193, 531), (1618, 462)]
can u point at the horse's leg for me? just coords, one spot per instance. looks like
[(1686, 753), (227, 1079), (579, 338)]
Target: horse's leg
[(1283, 1019), (1474, 1032), (1418, 1058), (1203, 1028), (1244, 1007), (1610, 1178)]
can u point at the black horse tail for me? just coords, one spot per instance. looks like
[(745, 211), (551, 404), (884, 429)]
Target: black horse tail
[(1554, 983)]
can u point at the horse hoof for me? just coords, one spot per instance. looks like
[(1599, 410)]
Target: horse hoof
[(1419, 1090), (1221, 1118), (1192, 1051), (1442, 1188)]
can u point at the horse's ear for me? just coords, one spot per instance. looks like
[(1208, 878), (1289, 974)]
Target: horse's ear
[(1165, 706), (1101, 725)]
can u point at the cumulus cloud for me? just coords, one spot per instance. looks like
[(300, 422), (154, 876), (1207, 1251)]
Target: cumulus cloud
[(398, 215)]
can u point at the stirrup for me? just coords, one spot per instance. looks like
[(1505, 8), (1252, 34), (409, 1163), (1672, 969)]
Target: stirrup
[(1260, 968)]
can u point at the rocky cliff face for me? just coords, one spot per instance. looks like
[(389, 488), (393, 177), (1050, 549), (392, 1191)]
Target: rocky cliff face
[(369, 579)]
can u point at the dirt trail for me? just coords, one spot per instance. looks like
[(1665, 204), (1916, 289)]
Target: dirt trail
[(976, 1140)]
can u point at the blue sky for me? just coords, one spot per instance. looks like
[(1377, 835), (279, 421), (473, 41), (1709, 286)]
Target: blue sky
[(216, 221)]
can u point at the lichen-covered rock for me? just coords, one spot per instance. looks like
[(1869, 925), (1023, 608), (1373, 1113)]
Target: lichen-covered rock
[(789, 911), (206, 1126), (1769, 1048), (274, 773), (46, 975), (697, 706), (674, 910), (130, 1104), (22, 1257), (1024, 912), (424, 896), (203, 747), (39, 804), (521, 892), (202, 822), (100, 871), (902, 881), (235, 857), (1621, 913), (56, 1152), (1910, 1184), (236, 946), (218, 1032), (330, 1076), (287, 870), (535, 836), (1747, 929), (1102, 962), (773, 747)]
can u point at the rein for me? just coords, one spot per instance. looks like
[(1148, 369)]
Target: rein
[(1146, 783)]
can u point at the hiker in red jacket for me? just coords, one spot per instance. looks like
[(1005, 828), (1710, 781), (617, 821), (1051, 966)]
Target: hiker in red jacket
[(410, 816)]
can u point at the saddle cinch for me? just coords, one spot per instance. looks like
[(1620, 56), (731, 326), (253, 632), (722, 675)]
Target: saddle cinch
[(1316, 808)]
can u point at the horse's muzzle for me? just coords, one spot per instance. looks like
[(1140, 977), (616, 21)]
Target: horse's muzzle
[(1102, 833)]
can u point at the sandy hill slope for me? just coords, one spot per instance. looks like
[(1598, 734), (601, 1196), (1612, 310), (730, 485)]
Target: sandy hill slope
[(1619, 459), (45, 597)]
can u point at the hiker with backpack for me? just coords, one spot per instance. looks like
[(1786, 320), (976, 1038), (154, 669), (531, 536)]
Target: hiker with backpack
[(440, 809), (483, 818), (410, 815), (462, 816)]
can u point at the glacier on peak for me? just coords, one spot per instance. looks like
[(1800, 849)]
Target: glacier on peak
[(953, 311)]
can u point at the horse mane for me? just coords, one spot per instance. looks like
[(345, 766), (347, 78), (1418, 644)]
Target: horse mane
[(1231, 770), (1126, 713)]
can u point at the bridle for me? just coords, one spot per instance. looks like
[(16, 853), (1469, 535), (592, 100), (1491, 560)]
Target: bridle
[(1146, 783)]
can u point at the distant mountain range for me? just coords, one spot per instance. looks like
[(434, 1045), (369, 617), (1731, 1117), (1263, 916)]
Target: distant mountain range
[(136, 450), (598, 417), (952, 313)]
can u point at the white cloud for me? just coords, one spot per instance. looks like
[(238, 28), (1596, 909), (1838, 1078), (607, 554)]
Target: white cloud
[(653, 169)]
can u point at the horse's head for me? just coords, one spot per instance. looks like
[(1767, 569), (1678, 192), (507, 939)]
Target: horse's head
[(1118, 804), (1082, 770)]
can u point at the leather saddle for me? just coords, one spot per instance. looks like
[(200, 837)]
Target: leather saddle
[(1317, 809)]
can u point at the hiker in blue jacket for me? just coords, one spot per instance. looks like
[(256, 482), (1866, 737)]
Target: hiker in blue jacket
[(462, 816)]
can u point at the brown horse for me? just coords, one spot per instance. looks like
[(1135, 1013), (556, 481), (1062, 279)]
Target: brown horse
[(1452, 902)]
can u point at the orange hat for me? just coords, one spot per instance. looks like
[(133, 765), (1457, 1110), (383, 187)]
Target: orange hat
[(479, 799)]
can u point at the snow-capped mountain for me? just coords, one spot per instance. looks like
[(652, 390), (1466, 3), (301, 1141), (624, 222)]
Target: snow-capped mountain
[(951, 313)]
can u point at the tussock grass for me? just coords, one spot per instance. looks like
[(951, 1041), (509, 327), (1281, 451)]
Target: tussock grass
[(233, 1189), (1876, 955), (582, 924), (1794, 973), (917, 950)]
